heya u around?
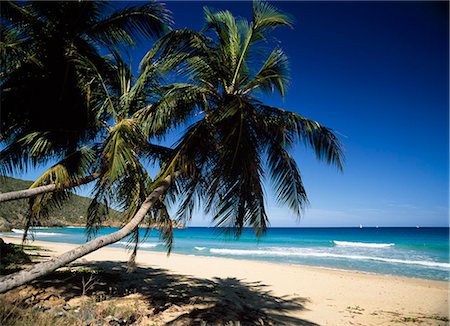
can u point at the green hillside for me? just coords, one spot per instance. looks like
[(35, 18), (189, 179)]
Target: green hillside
[(73, 211)]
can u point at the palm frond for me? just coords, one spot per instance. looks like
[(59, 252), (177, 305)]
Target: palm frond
[(15, 51), (173, 48), (156, 153), (161, 220), (72, 168), (64, 175), (39, 207), (321, 139), (124, 182), (26, 151), (99, 90), (191, 156), (132, 190), (120, 147), (23, 16), (285, 177), (188, 199), (238, 172), (227, 29), (175, 106), (238, 39), (124, 26), (267, 16), (273, 74), (98, 209)]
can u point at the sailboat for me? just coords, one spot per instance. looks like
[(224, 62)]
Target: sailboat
[(360, 226)]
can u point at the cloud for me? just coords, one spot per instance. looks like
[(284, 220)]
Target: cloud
[(368, 210), (402, 205), (328, 213)]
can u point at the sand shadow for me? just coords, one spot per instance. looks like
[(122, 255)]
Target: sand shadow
[(221, 301)]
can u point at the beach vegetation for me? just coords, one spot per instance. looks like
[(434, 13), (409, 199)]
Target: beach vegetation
[(12, 255), (421, 318), (437, 317)]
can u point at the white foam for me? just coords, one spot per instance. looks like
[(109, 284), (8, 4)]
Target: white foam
[(363, 244), (149, 245), (199, 248), (142, 245), (287, 253), (20, 231)]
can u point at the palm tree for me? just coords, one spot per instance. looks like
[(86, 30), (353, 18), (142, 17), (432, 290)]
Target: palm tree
[(236, 139), (52, 102), (122, 180), (219, 161)]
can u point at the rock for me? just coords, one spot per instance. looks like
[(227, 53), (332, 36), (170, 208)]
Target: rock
[(175, 307), (111, 320), (55, 311), (28, 292), (54, 301), (77, 301), (98, 322), (108, 318), (57, 224)]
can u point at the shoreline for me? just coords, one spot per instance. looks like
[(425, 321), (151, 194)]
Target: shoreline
[(17, 240), (332, 296)]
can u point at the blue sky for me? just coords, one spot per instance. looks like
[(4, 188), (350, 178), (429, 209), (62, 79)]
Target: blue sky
[(377, 73)]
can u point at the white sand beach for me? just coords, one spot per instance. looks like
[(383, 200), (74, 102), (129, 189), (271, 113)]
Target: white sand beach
[(322, 296)]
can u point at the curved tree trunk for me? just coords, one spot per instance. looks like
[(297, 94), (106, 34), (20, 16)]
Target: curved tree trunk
[(11, 281), (27, 193)]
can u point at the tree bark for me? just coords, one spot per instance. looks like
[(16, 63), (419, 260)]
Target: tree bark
[(27, 193), (17, 279)]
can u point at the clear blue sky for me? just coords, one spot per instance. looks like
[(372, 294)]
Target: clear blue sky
[(378, 74)]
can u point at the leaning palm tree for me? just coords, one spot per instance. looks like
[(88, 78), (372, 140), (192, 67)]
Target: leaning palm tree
[(51, 102), (235, 139), (118, 161), (219, 161)]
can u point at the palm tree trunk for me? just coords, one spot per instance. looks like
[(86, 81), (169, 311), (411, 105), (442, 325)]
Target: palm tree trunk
[(11, 281), (27, 193)]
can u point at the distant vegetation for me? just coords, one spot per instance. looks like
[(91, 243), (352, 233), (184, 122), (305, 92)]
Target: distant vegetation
[(72, 212)]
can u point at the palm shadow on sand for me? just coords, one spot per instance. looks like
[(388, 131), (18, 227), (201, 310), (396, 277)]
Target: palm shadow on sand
[(221, 301)]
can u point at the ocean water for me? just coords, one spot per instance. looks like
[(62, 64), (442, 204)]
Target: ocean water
[(409, 252)]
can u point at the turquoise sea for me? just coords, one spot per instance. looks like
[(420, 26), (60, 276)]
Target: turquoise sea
[(410, 252)]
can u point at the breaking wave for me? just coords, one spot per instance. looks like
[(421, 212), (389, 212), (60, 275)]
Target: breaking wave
[(363, 244), (20, 231), (141, 245), (295, 253)]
